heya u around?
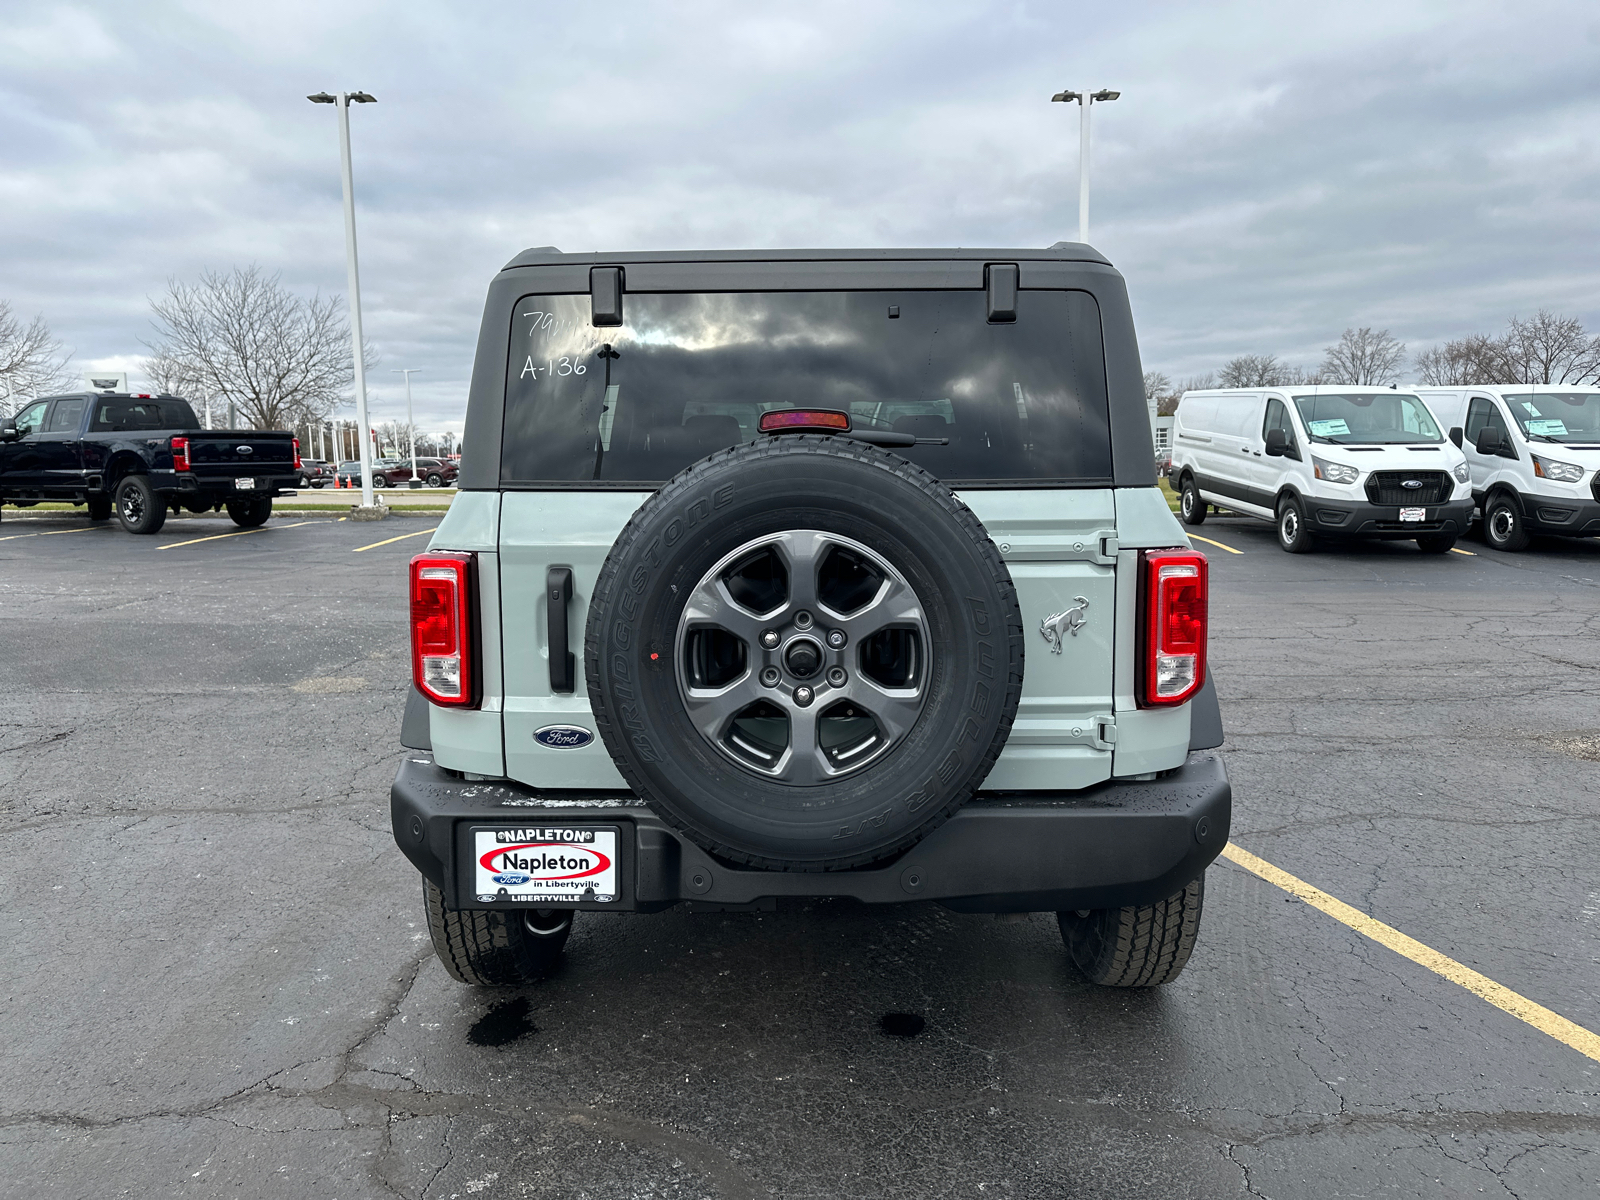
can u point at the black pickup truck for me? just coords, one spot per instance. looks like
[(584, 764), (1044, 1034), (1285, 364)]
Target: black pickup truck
[(141, 455)]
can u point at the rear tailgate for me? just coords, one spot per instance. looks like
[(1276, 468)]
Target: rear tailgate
[(220, 457)]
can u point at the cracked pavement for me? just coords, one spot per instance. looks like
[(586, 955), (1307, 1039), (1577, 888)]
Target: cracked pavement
[(217, 978)]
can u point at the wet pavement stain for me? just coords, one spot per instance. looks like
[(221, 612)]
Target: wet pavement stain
[(901, 1025), (503, 1024)]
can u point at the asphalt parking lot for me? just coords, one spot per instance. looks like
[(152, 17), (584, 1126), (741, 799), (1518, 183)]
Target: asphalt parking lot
[(217, 980)]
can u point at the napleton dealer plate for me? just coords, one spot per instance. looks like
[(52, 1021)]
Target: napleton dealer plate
[(541, 864)]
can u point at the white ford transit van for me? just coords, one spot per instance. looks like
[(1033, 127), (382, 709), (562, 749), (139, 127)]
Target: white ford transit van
[(1322, 462), (1533, 451)]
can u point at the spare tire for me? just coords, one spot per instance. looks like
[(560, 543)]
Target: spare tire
[(804, 652)]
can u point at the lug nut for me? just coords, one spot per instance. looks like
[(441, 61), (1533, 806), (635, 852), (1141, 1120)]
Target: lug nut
[(769, 676), (836, 676), (802, 696), (836, 638), (802, 620), (769, 639)]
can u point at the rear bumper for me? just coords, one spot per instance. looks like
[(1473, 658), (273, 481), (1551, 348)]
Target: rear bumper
[(1351, 518), (1120, 843)]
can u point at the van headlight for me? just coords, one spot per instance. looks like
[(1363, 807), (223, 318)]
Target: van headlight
[(1334, 472), (1463, 474), (1547, 468)]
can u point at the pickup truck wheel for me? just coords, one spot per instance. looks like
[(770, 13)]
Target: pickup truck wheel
[(1503, 528), (804, 652), (492, 947), (1190, 506), (249, 513), (99, 508), (1142, 946), (1293, 535), (139, 509), (1436, 543)]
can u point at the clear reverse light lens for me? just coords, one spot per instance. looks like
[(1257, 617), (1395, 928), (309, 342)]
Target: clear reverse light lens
[(1334, 472), (1561, 472)]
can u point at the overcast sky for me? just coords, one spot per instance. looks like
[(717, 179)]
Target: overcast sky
[(1272, 173)]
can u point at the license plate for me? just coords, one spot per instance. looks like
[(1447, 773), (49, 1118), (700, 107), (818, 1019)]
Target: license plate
[(1413, 514), (245, 484), (534, 864)]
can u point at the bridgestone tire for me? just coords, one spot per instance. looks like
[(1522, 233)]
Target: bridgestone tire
[(248, 514), (1293, 533), (1191, 508), (99, 508), (138, 508), (882, 502), (1436, 543), (1503, 528), (492, 947), (1143, 946)]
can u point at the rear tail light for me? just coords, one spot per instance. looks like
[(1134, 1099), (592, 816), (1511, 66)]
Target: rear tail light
[(441, 629), (180, 454), (798, 420), (1173, 590), (296, 454)]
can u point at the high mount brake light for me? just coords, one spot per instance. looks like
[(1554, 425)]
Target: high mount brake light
[(180, 454), (442, 664), (1173, 590), (296, 454), (799, 420)]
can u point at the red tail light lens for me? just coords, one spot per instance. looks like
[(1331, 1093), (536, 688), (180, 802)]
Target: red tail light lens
[(1173, 621), (180, 454), (797, 420), (441, 628), (296, 454)]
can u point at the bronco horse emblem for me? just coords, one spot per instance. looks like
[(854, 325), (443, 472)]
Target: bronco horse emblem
[(1074, 619)]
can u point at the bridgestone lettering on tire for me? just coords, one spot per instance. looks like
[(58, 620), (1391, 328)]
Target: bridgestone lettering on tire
[(804, 652), (1141, 946)]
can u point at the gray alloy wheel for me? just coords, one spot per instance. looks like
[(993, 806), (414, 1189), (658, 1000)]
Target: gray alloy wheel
[(807, 707), (436, 480)]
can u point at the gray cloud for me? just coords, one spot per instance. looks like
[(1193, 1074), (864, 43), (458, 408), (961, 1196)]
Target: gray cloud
[(1272, 173)]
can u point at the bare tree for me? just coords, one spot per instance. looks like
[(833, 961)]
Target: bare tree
[(1548, 348), (1363, 357), (1477, 358), (280, 359), (1251, 370), (32, 361), (1156, 385)]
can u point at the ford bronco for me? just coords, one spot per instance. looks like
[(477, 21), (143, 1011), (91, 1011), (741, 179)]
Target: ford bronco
[(810, 574)]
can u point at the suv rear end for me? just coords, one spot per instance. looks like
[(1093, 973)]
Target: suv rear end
[(810, 574)]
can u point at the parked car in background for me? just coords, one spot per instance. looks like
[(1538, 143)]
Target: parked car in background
[(396, 472), (1533, 453), (437, 472), (140, 455), (1330, 461), (315, 472)]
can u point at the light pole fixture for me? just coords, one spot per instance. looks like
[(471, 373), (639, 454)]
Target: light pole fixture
[(1084, 102), (344, 100), (411, 425)]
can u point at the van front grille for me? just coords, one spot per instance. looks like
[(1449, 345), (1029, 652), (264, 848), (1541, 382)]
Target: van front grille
[(1389, 487)]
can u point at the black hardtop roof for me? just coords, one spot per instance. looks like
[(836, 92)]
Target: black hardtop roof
[(540, 256)]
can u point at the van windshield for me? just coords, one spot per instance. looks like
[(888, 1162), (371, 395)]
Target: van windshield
[(1367, 419), (1557, 416), (690, 373)]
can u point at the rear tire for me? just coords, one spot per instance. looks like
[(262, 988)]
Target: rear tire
[(1436, 543), (1190, 506), (99, 508), (1293, 535), (248, 514), (1503, 528), (1142, 946), (492, 947), (435, 480), (138, 507)]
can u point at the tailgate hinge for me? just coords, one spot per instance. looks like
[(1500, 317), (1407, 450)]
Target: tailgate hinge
[(1104, 736), (1105, 547)]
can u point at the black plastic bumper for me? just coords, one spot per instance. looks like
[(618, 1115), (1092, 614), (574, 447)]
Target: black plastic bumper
[(1561, 514), (1119, 843), (1336, 518)]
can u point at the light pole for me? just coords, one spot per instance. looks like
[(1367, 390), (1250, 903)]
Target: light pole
[(344, 100), (1084, 101), (411, 425)]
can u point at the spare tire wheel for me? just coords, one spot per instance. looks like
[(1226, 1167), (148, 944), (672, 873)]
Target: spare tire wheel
[(804, 652)]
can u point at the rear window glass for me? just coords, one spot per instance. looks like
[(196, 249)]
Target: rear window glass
[(688, 374), (114, 415)]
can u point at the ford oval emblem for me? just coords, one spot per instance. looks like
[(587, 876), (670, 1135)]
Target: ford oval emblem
[(245, 449), (1411, 483), (563, 737)]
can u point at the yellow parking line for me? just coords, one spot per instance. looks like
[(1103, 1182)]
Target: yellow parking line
[(1218, 545), (1567, 1032), (1459, 550), (53, 532), (389, 541), (217, 537)]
